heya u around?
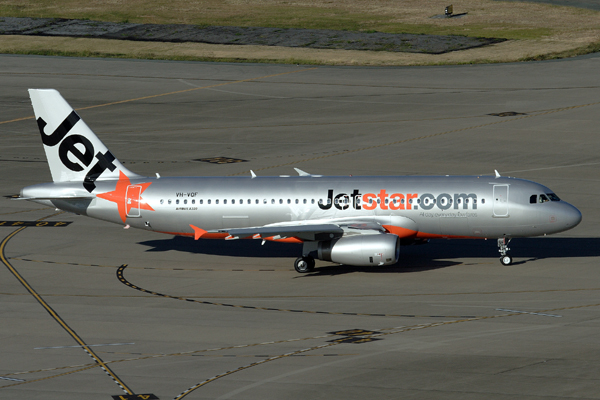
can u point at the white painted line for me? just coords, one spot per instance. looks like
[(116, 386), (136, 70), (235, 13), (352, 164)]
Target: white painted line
[(532, 313), (12, 379)]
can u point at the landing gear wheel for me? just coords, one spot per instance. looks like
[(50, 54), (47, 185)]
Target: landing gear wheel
[(506, 260), (304, 264)]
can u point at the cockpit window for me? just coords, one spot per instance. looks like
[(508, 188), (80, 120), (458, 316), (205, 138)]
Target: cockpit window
[(552, 197), (533, 199), (543, 198)]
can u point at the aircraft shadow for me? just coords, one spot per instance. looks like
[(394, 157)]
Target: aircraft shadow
[(434, 255), (231, 248)]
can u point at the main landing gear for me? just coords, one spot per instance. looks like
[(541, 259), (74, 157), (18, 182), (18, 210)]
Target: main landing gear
[(505, 259), (304, 264)]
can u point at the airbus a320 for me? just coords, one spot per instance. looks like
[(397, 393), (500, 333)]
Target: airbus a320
[(352, 220)]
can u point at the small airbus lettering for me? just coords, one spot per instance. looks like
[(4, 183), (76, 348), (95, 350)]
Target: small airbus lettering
[(398, 201)]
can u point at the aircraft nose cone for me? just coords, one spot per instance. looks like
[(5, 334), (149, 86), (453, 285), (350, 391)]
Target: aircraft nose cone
[(571, 216)]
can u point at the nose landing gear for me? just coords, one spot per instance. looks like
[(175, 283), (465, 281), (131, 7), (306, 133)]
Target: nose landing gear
[(505, 259)]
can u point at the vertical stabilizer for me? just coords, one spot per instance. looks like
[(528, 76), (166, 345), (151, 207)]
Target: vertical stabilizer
[(74, 152)]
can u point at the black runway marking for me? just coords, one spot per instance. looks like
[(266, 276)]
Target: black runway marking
[(507, 114), (221, 160), (122, 279)]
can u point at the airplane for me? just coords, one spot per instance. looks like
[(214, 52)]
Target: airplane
[(352, 220)]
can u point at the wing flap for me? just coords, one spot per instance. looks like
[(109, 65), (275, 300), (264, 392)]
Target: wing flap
[(302, 232), (316, 230)]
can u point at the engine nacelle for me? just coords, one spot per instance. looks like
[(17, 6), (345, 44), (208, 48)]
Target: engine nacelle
[(361, 250)]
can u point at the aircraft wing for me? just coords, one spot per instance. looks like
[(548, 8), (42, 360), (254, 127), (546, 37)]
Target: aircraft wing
[(317, 230)]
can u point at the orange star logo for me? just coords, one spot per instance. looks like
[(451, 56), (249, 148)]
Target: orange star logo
[(126, 200)]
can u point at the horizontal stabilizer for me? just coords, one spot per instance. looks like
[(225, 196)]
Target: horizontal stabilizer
[(56, 198)]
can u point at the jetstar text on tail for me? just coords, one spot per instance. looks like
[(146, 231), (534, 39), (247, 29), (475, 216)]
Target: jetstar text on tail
[(73, 145), (398, 201)]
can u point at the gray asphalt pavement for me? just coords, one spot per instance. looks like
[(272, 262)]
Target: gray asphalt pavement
[(90, 310)]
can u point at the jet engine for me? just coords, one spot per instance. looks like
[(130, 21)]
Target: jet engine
[(361, 250)]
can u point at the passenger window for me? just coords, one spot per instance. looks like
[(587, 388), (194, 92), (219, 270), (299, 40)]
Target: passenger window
[(177, 201), (208, 201), (185, 201), (533, 199), (162, 201), (312, 201), (169, 201), (289, 201), (280, 201), (224, 201), (200, 201), (217, 201)]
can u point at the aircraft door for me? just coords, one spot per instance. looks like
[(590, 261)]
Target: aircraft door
[(132, 200), (501, 201)]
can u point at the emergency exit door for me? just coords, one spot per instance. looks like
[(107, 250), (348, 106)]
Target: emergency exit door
[(500, 200), (132, 200)]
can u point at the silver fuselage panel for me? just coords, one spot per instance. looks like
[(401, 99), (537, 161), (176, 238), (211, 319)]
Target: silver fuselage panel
[(435, 206)]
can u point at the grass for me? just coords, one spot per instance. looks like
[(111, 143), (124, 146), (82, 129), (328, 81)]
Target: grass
[(152, 56), (552, 32), (579, 51), (485, 19)]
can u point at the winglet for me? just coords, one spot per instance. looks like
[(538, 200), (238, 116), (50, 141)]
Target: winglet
[(198, 232), (253, 174), (497, 173)]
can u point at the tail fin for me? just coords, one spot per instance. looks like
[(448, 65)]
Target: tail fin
[(74, 152)]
